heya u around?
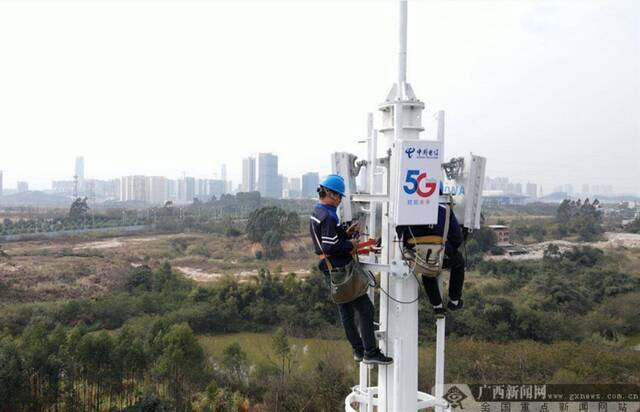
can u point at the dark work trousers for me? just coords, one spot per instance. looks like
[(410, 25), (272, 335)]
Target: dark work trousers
[(365, 340), (454, 262)]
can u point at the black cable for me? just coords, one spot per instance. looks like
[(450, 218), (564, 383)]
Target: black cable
[(391, 297)]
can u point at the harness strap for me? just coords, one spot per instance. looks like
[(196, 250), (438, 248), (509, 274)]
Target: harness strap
[(431, 239), (323, 256)]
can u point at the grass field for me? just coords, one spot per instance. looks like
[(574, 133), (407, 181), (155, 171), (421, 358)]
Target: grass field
[(259, 350), (467, 360)]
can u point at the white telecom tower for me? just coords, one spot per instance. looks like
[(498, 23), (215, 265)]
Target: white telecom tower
[(410, 170)]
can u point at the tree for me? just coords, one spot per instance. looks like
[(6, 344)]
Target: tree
[(234, 359), (140, 278), (134, 361), (266, 219), (579, 218), (79, 210), (180, 364), (97, 361), (12, 376), (486, 238), (282, 349), (293, 223), (271, 244), (229, 227)]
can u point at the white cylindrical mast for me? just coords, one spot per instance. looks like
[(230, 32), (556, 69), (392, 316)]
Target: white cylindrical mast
[(401, 119), (402, 47), (397, 390)]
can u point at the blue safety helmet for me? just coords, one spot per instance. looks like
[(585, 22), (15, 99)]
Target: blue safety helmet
[(334, 183)]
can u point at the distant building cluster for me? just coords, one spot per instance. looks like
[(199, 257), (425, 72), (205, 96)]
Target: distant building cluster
[(503, 185), (500, 190), (262, 174), (259, 173)]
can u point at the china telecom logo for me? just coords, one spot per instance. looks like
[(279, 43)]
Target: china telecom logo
[(418, 183), (421, 153)]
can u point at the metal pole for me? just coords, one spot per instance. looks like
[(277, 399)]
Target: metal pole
[(397, 353), (363, 384), (385, 385), (441, 125), (402, 49), (440, 325)]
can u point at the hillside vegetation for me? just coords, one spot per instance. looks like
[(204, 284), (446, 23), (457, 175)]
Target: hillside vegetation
[(153, 339)]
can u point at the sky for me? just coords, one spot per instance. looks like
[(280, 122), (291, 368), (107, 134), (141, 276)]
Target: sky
[(548, 91)]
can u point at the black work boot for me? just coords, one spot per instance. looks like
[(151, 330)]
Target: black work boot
[(378, 358), (453, 306), (358, 355), (439, 311)]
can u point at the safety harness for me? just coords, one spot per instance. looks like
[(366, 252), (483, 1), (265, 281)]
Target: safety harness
[(425, 254)]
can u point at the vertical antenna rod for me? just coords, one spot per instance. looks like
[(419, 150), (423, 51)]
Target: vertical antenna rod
[(402, 52)]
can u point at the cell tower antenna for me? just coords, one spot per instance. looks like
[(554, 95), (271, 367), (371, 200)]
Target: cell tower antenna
[(401, 126), (402, 46), (402, 190)]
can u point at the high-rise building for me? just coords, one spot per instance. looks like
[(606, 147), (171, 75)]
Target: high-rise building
[(223, 172), (501, 183), (172, 190), (133, 188), (217, 187), (532, 190), (189, 189), (22, 187), (517, 188), (513, 188), (269, 183), (114, 191), (202, 189), (79, 173), (585, 189), (63, 187), (1, 183), (249, 174), (223, 176), (602, 190), (310, 182), (156, 189), (295, 188), (284, 185)]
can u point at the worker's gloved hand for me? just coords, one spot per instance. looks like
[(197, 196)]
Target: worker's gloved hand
[(354, 228)]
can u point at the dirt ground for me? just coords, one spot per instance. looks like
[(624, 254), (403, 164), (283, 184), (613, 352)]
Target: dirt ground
[(612, 240), (47, 270)]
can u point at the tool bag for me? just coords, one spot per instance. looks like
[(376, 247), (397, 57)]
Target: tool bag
[(424, 259), (347, 283), (425, 254)]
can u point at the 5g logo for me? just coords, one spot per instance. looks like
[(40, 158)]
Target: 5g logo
[(415, 183)]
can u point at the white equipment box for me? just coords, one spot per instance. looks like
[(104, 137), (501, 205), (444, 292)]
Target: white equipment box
[(416, 192)]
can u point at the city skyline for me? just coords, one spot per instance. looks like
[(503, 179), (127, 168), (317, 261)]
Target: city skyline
[(156, 189), (235, 178)]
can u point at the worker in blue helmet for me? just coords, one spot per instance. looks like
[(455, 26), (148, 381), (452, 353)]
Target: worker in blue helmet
[(337, 246)]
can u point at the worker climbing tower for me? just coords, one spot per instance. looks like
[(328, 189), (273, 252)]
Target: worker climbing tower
[(403, 180)]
